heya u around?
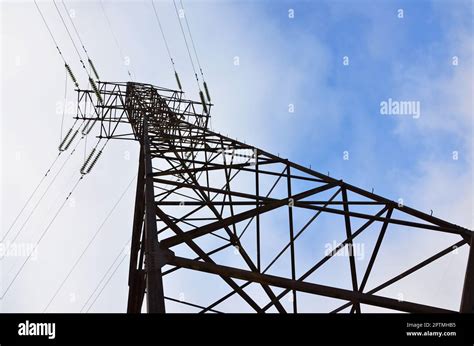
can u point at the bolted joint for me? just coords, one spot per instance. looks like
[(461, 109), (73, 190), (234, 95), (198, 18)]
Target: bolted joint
[(234, 240), (161, 257)]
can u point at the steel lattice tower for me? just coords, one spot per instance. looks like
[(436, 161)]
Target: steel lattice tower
[(200, 193)]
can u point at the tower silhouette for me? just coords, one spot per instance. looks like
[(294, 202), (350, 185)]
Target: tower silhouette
[(210, 204)]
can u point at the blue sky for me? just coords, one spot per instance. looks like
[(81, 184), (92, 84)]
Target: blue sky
[(382, 48), (283, 61)]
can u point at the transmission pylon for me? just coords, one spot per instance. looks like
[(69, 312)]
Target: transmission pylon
[(208, 203)]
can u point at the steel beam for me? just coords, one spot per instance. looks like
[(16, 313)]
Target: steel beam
[(327, 291), (467, 300), (136, 276), (197, 232), (154, 259)]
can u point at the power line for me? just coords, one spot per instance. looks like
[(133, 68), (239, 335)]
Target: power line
[(201, 94), (166, 45), (163, 35), (50, 33), (45, 192), (94, 161), (191, 38), (56, 198), (91, 64), (47, 188), (70, 36), (30, 197), (107, 282), (41, 238), (55, 216), (68, 69), (90, 243), (91, 81), (74, 27), (105, 274), (186, 43), (39, 184), (195, 52), (115, 37), (64, 141)]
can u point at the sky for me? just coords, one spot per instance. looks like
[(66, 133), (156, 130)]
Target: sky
[(301, 79)]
